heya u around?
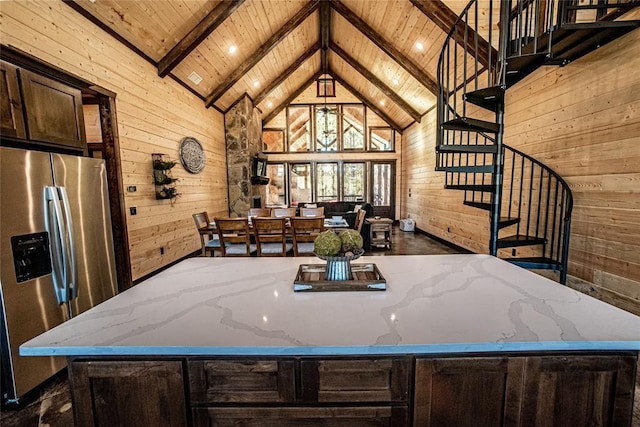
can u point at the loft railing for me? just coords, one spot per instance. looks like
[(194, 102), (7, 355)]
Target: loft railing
[(532, 23)]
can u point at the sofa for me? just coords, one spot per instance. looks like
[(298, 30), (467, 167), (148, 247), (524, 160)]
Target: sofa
[(347, 211)]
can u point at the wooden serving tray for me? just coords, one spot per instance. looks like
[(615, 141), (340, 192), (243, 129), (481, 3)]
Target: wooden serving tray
[(366, 277)]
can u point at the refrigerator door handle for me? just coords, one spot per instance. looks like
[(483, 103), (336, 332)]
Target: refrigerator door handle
[(72, 274), (53, 225)]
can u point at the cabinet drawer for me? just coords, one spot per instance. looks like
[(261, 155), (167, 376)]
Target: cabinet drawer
[(301, 416), (363, 380), (217, 381)]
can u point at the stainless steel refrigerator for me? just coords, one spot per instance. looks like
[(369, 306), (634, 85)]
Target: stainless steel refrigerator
[(56, 249)]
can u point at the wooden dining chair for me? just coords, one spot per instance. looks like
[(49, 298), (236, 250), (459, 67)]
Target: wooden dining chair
[(283, 212), (305, 230), (271, 236), (209, 240), (360, 220), (312, 212), (253, 212), (235, 237)]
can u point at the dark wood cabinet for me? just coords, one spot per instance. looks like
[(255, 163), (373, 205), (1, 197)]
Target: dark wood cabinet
[(11, 115), (552, 389), (52, 111), (367, 416), (578, 391), (241, 381), (563, 390), (131, 393)]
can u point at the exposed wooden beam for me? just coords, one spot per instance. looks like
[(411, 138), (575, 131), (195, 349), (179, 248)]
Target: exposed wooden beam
[(366, 102), (445, 18), (200, 32), (377, 82), (325, 33), (75, 6), (286, 73), (291, 98), (424, 78), (257, 56)]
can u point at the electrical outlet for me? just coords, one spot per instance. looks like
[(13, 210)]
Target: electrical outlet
[(133, 210), (132, 189), (513, 252)]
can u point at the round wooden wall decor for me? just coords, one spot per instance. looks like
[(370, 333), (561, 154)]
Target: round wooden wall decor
[(191, 154)]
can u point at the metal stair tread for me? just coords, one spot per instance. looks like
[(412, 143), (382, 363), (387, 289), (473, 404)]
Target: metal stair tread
[(480, 205), (542, 263), (466, 169), (472, 125), (489, 98), (507, 221), (470, 187), (467, 148), (519, 240)]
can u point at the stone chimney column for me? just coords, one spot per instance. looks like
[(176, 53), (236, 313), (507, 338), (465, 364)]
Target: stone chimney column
[(243, 136)]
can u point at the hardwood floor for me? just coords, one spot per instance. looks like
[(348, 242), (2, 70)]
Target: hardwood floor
[(51, 405)]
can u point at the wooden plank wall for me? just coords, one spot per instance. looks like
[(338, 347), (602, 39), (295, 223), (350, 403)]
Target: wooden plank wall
[(582, 120), (153, 116)]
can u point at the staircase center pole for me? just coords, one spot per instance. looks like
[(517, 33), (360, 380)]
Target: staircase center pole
[(498, 158)]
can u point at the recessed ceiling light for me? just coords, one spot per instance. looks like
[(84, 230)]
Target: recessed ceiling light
[(256, 83), (419, 46), (269, 104), (233, 49), (195, 77), (395, 82), (382, 102)]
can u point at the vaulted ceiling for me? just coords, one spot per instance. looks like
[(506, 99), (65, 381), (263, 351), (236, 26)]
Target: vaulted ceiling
[(384, 51)]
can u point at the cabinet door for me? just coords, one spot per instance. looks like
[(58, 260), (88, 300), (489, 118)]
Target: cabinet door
[(359, 380), (367, 416), (579, 390), (122, 393), (53, 111), (468, 391), (245, 380), (11, 116)]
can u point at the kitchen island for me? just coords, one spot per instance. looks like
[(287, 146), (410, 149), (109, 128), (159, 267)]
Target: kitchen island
[(454, 340)]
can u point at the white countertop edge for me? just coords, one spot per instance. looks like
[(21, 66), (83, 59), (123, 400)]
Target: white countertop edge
[(335, 350)]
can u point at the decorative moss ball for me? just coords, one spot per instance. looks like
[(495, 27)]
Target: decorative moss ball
[(327, 244), (351, 240)]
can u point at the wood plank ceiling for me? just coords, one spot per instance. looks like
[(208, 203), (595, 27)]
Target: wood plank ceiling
[(384, 50)]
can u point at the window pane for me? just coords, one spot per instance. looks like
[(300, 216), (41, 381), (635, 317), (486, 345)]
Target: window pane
[(381, 184), (353, 127), (326, 181), (353, 186), (273, 140), (381, 139), (299, 129), (326, 127), (300, 183), (276, 190)]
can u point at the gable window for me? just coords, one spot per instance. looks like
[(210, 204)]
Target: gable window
[(381, 138), (326, 127), (273, 140), (299, 126), (353, 127)]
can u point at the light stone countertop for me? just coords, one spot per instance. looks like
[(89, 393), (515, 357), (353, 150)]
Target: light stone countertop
[(433, 304)]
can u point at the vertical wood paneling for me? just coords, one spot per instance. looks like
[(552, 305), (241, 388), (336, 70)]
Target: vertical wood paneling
[(583, 121), (153, 116)]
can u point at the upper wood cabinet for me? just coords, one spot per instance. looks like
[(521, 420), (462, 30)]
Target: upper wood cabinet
[(11, 116), (53, 111)]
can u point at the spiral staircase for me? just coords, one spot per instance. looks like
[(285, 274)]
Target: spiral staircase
[(529, 204)]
